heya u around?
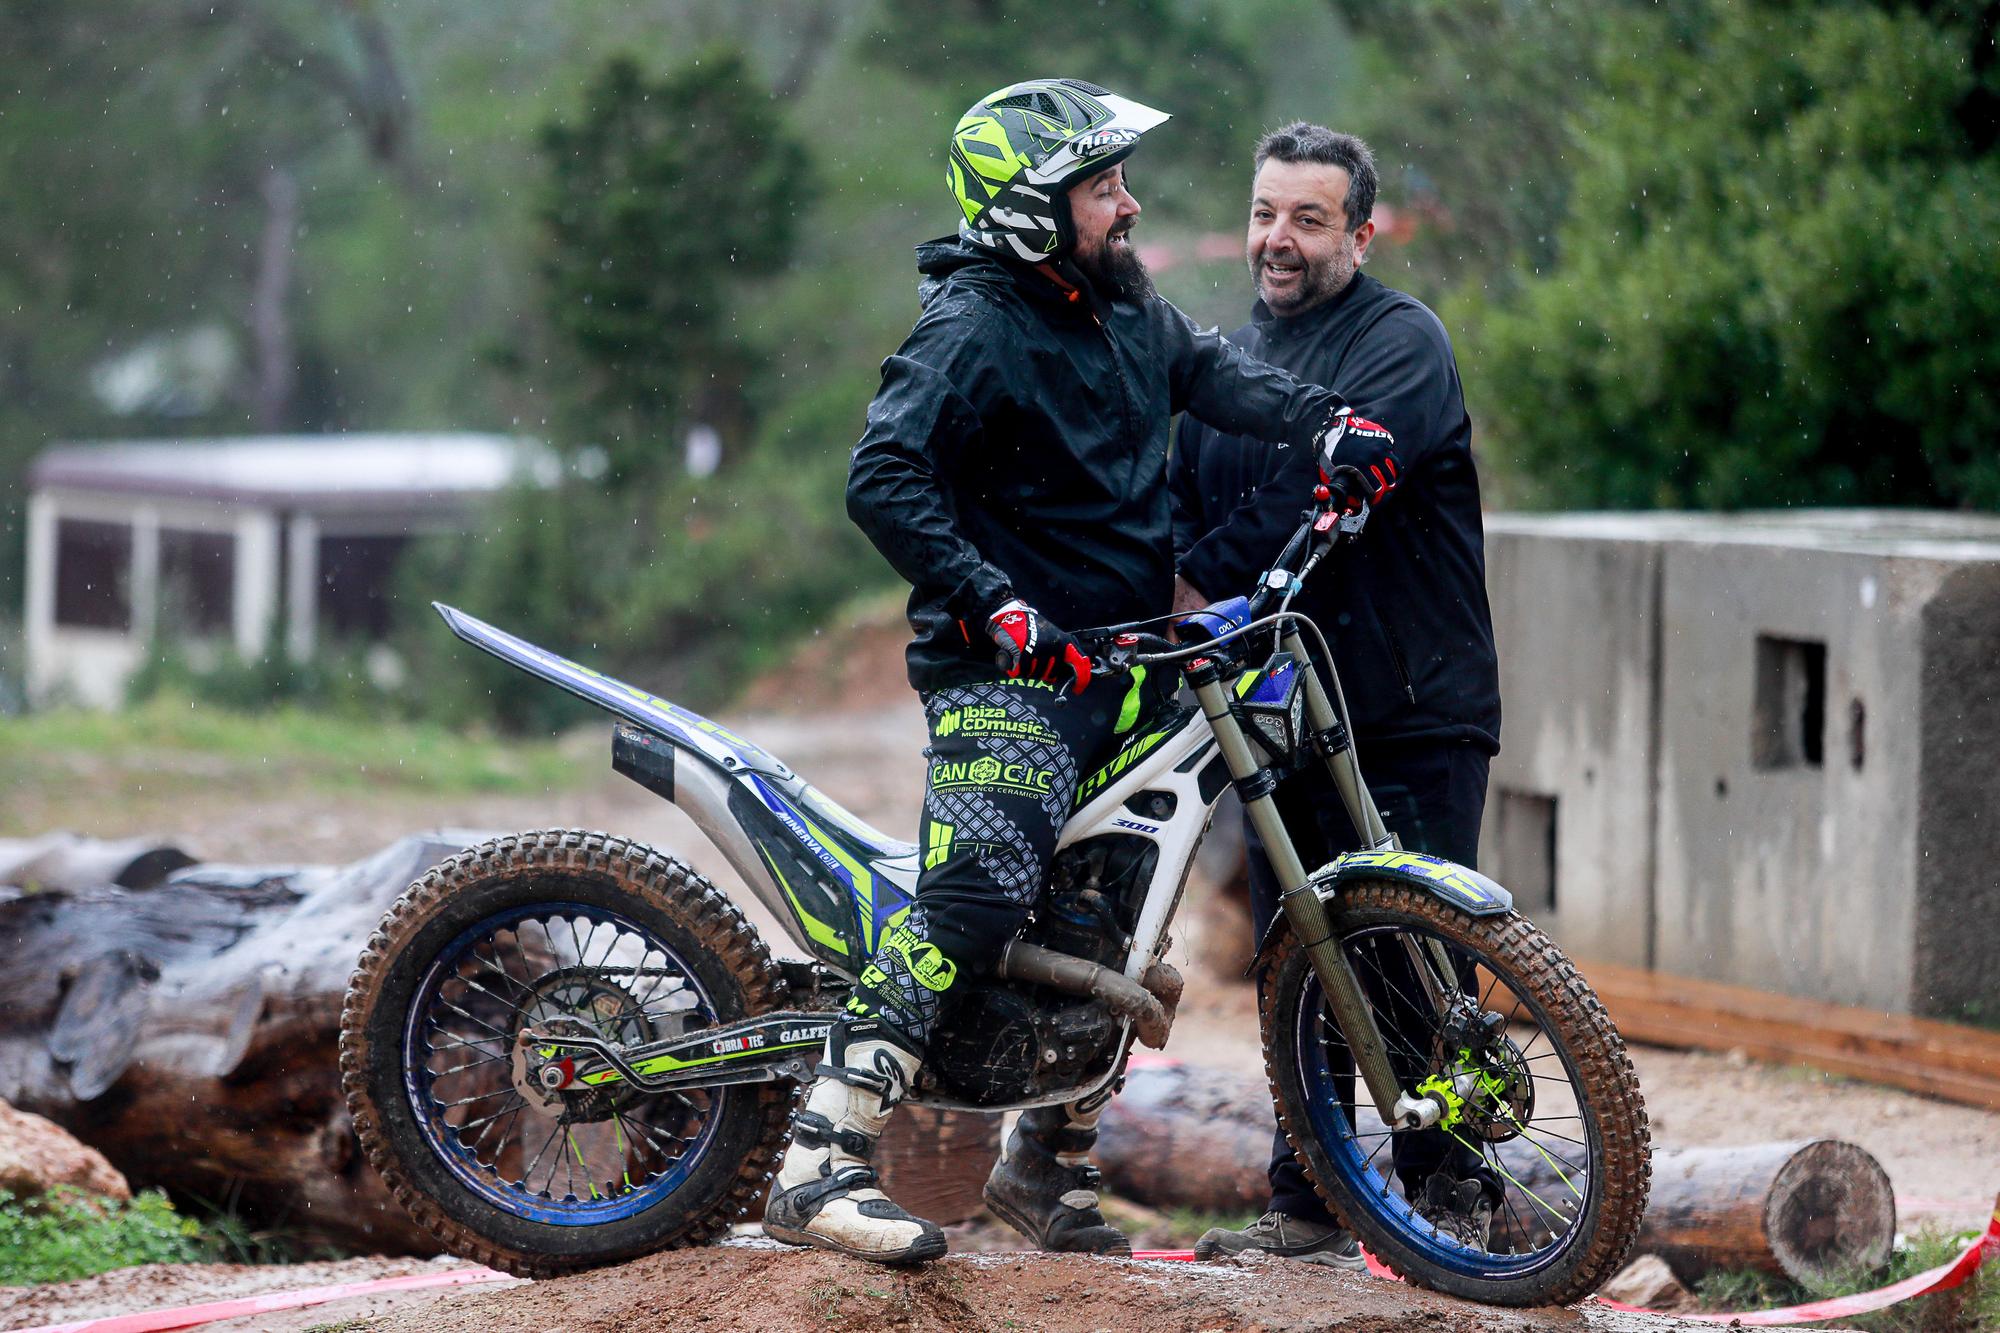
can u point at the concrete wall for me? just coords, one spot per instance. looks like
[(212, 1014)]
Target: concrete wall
[(1576, 618), (1770, 743)]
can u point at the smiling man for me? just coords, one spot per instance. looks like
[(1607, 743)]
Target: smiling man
[(1404, 607), (1014, 471)]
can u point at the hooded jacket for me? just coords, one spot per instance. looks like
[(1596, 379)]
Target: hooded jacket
[(1404, 606), (1018, 448)]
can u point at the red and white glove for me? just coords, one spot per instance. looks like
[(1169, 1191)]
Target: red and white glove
[(1031, 645), (1366, 446)]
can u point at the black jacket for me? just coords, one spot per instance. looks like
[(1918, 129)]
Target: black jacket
[(1404, 606), (1018, 448)]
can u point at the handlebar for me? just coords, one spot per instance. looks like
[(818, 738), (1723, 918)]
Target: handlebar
[(1114, 650)]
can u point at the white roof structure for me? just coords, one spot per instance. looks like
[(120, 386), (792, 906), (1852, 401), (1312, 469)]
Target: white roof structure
[(222, 541), (320, 473)]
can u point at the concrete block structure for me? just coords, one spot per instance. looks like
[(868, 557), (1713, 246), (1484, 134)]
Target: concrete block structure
[(1757, 748)]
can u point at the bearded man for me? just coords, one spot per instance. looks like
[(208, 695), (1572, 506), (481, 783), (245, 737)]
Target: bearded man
[(1404, 606), (1014, 471)]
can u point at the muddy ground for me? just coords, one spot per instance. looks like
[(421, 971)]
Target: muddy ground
[(758, 1286), (1943, 1159)]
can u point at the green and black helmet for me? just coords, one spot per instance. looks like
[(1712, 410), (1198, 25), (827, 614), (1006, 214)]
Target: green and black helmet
[(1016, 151)]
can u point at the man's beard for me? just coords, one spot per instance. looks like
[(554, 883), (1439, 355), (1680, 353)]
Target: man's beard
[(1117, 272), (1320, 281)]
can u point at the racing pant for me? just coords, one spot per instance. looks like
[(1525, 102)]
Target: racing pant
[(1005, 759), (1432, 795)]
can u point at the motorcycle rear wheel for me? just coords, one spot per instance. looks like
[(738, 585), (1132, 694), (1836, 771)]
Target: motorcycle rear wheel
[(1574, 1181), (545, 928)]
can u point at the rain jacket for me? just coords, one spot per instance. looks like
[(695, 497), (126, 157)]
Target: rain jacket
[(1404, 607), (1018, 448)]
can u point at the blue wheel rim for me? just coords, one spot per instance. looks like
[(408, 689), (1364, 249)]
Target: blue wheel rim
[(1370, 1182), (569, 1194)]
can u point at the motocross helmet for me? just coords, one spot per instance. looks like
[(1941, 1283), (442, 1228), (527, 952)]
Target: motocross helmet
[(1017, 151)]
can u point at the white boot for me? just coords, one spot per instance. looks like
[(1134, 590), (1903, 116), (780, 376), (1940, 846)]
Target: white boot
[(825, 1192)]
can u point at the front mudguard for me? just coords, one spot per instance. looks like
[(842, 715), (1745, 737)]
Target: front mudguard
[(1461, 886)]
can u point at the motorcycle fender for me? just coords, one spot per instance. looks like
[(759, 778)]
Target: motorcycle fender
[(1461, 886)]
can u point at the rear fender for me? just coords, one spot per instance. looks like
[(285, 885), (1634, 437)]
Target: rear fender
[(1460, 886)]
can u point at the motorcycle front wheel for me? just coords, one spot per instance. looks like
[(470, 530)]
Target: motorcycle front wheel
[(1541, 1105), (554, 931)]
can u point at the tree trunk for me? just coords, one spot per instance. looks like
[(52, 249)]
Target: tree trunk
[(1189, 1137), (1807, 1209), (188, 1032)]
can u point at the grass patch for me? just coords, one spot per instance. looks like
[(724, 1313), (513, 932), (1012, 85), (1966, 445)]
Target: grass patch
[(68, 1235), (1972, 1308), (88, 760)]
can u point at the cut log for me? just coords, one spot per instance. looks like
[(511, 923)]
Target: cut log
[(1812, 1209), (66, 861)]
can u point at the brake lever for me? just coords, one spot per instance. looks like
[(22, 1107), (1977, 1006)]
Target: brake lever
[(1116, 661)]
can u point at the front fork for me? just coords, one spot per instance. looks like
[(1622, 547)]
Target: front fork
[(1304, 911)]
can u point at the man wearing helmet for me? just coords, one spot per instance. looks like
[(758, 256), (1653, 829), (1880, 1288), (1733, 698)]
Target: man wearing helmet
[(1013, 469)]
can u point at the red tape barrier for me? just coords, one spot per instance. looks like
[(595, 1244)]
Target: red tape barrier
[(191, 1316), (1942, 1278)]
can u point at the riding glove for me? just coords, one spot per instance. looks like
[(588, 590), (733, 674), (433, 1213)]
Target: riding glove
[(1032, 646), (1351, 441)]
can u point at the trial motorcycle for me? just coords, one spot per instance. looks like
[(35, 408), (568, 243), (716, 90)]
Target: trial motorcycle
[(563, 1049)]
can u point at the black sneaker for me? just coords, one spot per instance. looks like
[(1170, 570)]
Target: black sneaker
[(1460, 1209), (1287, 1237)]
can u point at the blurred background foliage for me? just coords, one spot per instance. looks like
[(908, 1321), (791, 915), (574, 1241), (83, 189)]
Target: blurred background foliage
[(1693, 253)]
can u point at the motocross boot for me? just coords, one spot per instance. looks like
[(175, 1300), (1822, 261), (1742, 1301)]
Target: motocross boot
[(825, 1192), (1044, 1185)]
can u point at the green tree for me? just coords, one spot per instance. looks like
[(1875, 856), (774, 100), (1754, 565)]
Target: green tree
[(1777, 281), (661, 203), (668, 204)]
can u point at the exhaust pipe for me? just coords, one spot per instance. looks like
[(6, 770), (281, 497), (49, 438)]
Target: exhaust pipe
[(1148, 1003)]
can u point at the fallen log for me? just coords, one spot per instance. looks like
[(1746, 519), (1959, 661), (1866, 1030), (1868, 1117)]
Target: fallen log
[(189, 1031), (1187, 1136), (67, 861), (1811, 1209)]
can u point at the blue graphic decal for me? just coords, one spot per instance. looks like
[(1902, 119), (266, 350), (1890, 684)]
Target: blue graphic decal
[(1272, 687), (795, 822)]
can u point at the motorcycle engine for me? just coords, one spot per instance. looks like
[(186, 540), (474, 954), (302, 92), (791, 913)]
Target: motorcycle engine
[(1004, 1042), (1001, 1045)]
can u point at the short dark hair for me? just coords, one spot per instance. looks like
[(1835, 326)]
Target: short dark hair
[(1303, 141)]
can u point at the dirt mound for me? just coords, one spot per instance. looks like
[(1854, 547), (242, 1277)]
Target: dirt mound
[(856, 663), (758, 1286), (166, 1286)]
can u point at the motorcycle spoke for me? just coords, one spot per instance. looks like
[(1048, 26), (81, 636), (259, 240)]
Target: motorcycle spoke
[(528, 1173), (646, 1132), (469, 1041), (470, 1124), (472, 1018), (504, 1122)]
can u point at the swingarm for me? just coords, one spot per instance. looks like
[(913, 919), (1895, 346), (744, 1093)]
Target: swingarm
[(751, 1050)]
